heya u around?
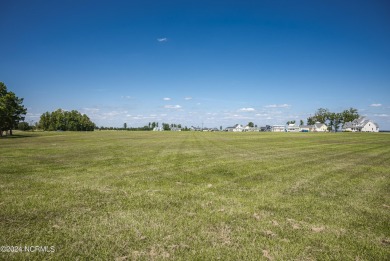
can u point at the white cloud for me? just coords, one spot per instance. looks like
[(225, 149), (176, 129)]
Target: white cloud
[(247, 109), (381, 115), (172, 106), (278, 106), (188, 98), (162, 40), (90, 110), (376, 105), (262, 114), (167, 99)]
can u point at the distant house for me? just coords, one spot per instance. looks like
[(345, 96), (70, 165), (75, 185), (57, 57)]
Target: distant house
[(175, 129), (235, 128), (278, 128), (306, 128), (195, 128), (320, 127), (266, 128), (158, 129), (292, 128), (317, 127), (361, 125), (251, 129)]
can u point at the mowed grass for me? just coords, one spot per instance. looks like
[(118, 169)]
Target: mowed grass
[(117, 195)]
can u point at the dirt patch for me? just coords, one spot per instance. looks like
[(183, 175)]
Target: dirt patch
[(267, 255), (318, 229)]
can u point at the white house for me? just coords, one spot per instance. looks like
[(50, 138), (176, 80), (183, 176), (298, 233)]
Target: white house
[(361, 125), (235, 128), (158, 129), (292, 128), (251, 129), (278, 128), (320, 127)]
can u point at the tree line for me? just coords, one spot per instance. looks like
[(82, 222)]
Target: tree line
[(12, 110), (333, 119), (65, 121)]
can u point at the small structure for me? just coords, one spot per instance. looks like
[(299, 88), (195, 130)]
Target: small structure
[(361, 125), (266, 128), (175, 129), (251, 129), (306, 128), (158, 129), (195, 128), (278, 128), (292, 128), (317, 127)]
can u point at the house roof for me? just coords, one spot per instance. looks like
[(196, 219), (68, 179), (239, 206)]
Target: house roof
[(319, 125), (359, 123)]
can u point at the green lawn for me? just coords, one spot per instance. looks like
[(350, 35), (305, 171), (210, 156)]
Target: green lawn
[(117, 195)]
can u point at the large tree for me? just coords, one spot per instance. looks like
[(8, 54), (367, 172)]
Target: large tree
[(12, 110), (349, 115), (321, 116), (66, 121)]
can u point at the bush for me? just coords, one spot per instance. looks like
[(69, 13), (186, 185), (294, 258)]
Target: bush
[(23, 126)]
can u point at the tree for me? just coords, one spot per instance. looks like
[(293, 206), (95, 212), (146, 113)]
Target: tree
[(310, 121), (349, 115), (12, 110), (166, 126), (301, 123), (66, 121), (23, 126), (290, 122), (321, 115), (125, 125), (251, 125), (334, 120)]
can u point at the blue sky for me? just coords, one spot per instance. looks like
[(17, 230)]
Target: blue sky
[(193, 62)]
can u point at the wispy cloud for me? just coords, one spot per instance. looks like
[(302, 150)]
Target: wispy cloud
[(278, 106), (381, 115), (376, 105), (262, 114), (90, 110), (162, 40), (172, 106), (247, 109), (188, 98), (167, 99)]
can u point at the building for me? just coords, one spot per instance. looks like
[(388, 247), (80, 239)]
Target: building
[(235, 128), (292, 128), (320, 127), (317, 127), (251, 129), (278, 128), (361, 124), (306, 128)]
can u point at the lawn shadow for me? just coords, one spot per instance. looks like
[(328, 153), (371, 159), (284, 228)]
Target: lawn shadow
[(17, 136)]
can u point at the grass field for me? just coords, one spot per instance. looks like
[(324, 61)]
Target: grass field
[(195, 196)]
